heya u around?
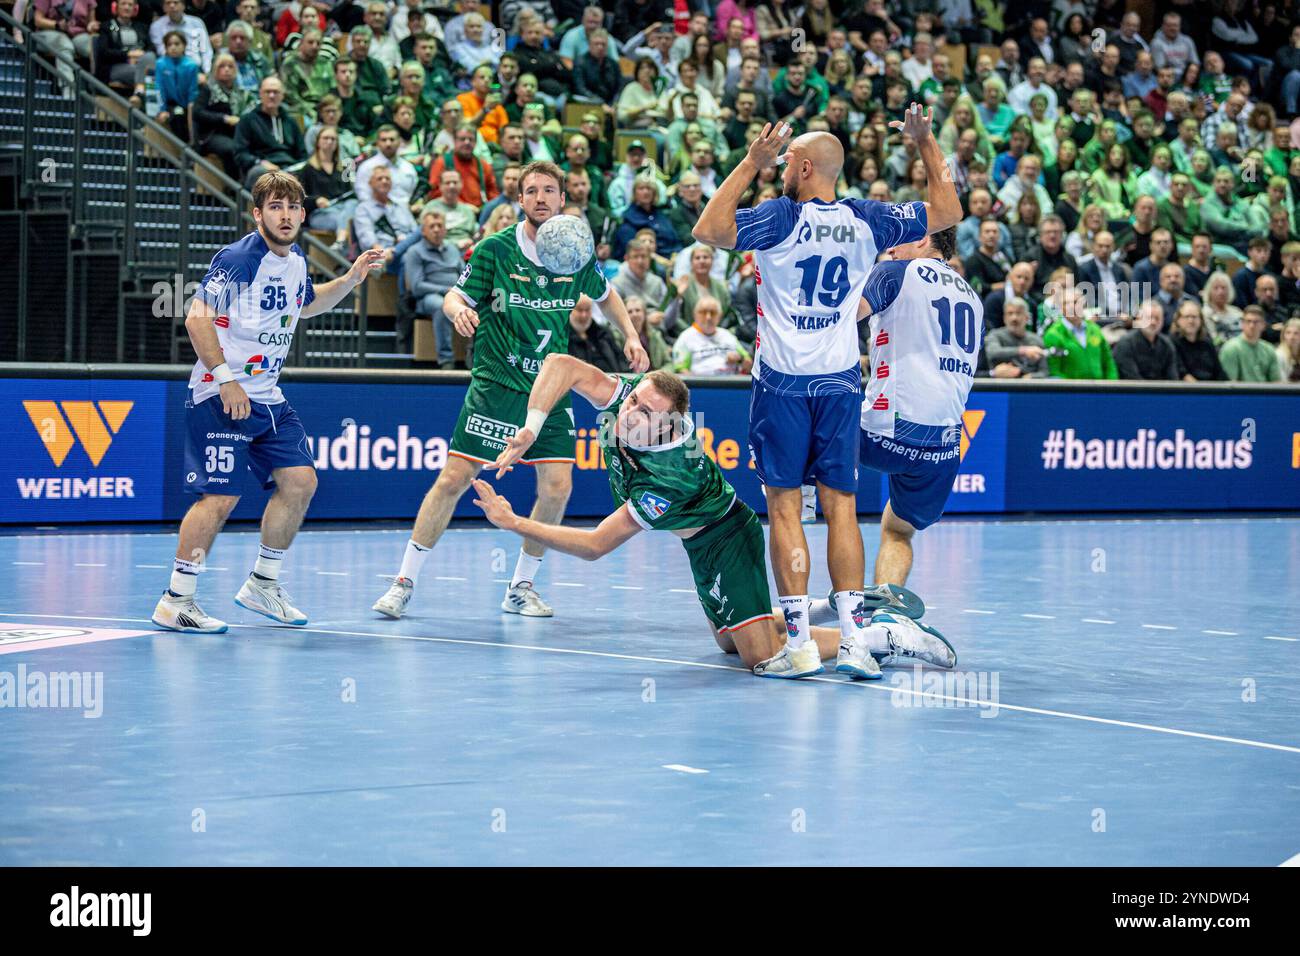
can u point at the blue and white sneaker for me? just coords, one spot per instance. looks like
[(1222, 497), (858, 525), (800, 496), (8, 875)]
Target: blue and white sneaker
[(875, 597), (855, 660), (267, 598), (908, 638), (792, 663), (181, 613)]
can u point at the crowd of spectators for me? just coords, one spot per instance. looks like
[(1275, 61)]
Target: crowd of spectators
[(1130, 187)]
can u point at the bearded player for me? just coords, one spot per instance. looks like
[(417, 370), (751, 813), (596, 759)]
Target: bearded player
[(518, 314), (813, 254), (662, 480), (238, 425)]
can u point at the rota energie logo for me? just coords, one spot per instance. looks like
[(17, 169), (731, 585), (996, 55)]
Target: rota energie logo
[(257, 364)]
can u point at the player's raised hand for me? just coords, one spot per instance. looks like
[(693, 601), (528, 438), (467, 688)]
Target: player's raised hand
[(465, 322), (636, 356), (234, 401), (366, 264), (916, 123), (771, 143), (495, 508), (516, 445)]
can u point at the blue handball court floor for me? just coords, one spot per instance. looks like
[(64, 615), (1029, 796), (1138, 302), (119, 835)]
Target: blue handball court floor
[(1126, 693)]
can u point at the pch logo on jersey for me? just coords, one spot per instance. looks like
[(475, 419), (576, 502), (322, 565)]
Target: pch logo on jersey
[(805, 233), (654, 505), (928, 274)]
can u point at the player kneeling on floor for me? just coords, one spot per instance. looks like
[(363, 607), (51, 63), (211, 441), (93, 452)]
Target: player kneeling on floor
[(661, 479)]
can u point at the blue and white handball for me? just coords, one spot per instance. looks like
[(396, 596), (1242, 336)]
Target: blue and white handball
[(565, 244)]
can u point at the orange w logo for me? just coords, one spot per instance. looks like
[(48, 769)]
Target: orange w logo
[(970, 424), (56, 429)]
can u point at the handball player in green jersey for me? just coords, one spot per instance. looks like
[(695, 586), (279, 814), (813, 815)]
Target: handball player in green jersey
[(517, 312), (662, 480)]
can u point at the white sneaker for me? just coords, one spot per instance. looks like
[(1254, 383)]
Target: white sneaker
[(803, 661), (395, 599), (522, 599), (184, 614), (855, 660), (908, 638), (809, 494), (270, 600)]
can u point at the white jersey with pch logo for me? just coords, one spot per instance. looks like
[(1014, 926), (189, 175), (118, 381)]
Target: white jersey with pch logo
[(258, 297), (927, 328), (812, 260)]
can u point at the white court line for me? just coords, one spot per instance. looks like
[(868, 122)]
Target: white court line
[(682, 768), (689, 591), (447, 577), (1159, 627), (1221, 633), (89, 564), (1038, 617), (1096, 620), (626, 587), (153, 567), (971, 610), (568, 584), (861, 685), (1270, 637), (335, 574), (1294, 861), (31, 563)]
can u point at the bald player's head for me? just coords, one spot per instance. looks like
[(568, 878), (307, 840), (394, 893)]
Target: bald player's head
[(813, 164)]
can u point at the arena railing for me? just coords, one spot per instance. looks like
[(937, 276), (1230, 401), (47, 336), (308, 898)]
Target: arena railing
[(62, 145)]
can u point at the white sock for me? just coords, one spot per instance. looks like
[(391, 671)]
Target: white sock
[(796, 619), (268, 563), (526, 569), (876, 638), (413, 560), (185, 578), (845, 603)]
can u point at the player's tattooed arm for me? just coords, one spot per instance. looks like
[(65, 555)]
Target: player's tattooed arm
[(203, 336), (560, 374), (717, 223), (582, 543)]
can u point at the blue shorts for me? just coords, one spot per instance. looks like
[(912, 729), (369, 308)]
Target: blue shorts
[(220, 452), (797, 439), (920, 478)]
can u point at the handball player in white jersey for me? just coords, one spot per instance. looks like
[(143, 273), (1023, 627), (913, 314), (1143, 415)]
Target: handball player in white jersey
[(927, 329), (240, 431), (813, 255)]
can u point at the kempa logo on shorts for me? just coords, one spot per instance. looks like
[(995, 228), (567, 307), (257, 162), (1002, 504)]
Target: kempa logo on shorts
[(56, 431), (489, 428)]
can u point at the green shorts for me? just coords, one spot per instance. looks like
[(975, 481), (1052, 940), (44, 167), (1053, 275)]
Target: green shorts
[(492, 414), (729, 563)]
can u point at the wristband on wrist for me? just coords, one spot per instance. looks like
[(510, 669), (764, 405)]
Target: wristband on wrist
[(536, 419), (222, 373)]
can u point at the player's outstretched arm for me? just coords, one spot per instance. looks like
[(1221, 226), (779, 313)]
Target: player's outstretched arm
[(944, 208), (582, 543), (463, 316), (717, 223), (560, 373), (613, 307), (203, 336), (329, 294)]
